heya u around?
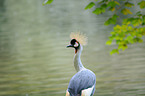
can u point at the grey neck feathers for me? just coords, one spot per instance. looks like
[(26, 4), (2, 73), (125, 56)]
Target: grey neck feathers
[(77, 60)]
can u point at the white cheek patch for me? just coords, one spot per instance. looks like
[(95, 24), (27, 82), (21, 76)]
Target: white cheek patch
[(76, 44)]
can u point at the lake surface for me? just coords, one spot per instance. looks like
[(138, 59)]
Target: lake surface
[(34, 60)]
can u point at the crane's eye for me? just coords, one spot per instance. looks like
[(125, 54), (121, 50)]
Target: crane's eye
[(76, 44)]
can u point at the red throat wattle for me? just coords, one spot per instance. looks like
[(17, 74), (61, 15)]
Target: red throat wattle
[(76, 51)]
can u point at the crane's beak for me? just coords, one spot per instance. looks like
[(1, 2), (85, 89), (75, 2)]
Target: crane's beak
[(70, 46)]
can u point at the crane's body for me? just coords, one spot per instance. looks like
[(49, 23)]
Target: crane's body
[(83, 82)]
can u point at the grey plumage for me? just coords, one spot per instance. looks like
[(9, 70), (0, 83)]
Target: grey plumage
[(84, 79)]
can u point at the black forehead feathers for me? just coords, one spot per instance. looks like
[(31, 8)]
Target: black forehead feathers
[(73, 41)]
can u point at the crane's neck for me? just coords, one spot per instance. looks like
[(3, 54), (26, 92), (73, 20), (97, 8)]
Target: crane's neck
[(77, 60)]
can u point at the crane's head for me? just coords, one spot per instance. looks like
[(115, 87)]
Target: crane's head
[(78, 39), (74, 44)]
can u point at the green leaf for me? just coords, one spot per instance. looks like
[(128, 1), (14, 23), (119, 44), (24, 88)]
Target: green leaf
[(114, 51), (138, 40), (99, 11), (126, 22), (124, 47), (47, 2), (113, 4), (90, 5), (126, 11), (112, 20), (129, 28), (115, 16), (109, 42), (117, 27), (104, 6), (102, 1), (117, 3), (138, 13), (112, 8), (128, 4), (143, 19), (142, 4), (136, 22), (109, 21), (130, 39)]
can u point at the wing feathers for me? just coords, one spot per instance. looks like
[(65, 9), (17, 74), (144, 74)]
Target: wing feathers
[(82, 80), (87, 92)]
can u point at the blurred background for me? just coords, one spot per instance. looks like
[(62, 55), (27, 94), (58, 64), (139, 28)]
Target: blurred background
[(34, 60)]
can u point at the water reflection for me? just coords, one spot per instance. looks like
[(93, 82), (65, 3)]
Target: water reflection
[(34, 59)]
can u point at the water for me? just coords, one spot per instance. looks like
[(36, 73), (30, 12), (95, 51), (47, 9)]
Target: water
[(34, 60)]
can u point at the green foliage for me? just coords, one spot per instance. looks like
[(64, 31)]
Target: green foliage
[(90, 5), (142, 4), (126, 11), (113, 3), (128, 4), (111, 20), (130, 31), (98, 11), (105, 5), (114, 51), (47, 2)]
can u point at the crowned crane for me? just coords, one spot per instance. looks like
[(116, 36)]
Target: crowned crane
[(83, 82)]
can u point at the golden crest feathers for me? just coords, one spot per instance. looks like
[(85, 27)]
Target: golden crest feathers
[(81, 38)]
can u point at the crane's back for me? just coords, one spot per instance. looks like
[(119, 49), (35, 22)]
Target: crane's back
[(82, 80)]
